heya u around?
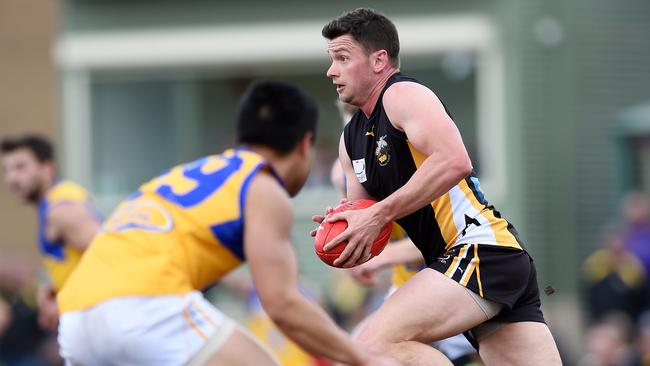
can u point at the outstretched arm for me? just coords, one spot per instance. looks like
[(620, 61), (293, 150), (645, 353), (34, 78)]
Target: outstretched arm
[(274, 270)]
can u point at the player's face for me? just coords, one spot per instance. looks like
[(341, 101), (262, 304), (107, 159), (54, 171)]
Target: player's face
[(23, 174), (351, 70)]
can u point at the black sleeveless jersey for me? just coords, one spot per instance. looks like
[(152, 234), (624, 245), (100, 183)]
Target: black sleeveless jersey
[(383, 161)]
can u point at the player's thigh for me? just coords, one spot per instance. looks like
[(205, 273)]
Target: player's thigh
[(240, 349), (428, 307), (522, 343)]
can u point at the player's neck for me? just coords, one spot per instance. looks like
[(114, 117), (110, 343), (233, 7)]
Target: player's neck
[(281, 164), (376, 90), (48, 183)]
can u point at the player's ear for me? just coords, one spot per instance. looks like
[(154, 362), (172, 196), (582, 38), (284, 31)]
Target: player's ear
[(379, 60), (49, 169)]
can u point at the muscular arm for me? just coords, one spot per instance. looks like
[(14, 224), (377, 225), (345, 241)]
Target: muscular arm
[(431, 132), (74, 223), (274, 270), (417, 111)]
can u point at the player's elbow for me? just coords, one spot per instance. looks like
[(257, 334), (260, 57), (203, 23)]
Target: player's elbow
[(461, 167), (278, 308)]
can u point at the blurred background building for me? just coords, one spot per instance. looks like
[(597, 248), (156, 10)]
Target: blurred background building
[(552, 98)]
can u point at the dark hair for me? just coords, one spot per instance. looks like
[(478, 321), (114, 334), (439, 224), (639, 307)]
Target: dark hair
[(369, 28), (40, 146), (276, 115)]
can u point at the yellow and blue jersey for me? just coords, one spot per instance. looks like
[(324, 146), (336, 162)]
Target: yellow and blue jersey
[(180, 232), (59, 257)]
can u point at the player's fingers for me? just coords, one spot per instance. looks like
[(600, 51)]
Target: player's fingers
[(337, 217), (313, 232), (335, 241), (329, 209), (352, 260), (367, 254), (343, 200), (345, 254), (318, 218)]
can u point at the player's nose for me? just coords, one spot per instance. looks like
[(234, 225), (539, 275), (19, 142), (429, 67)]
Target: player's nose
[(332, 71)]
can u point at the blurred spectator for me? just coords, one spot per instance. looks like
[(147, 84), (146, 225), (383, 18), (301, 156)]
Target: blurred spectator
[(614, 280), (22, 341), (636, 237), (643, 340), (608, 343)]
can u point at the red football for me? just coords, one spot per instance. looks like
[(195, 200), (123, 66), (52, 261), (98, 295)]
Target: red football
[(328, 231)]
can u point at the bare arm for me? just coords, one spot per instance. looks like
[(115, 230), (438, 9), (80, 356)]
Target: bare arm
[(431, 132), (74, 223), (274, 270)]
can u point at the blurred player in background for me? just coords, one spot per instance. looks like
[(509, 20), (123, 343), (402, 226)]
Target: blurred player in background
[(134, 299), (67, 221), (287, 352), (402, 257), (403, 149)]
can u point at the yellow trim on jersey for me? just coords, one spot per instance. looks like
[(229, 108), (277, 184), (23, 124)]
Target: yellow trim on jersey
[(473, 264), (456, 262), (444, 215), (441, 206), (499, 226)]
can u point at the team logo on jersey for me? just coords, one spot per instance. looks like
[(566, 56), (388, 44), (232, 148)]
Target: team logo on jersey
[(382, 151), (143, 215), (359, 166), (371, 132)]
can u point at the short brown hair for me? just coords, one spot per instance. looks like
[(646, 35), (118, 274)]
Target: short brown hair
[(368, 27)]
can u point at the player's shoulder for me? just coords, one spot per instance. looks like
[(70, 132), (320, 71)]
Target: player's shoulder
[(266, 191), (67, 190), (404, 92)]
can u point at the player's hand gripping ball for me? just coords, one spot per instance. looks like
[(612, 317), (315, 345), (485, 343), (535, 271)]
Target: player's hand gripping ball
[(329, 230)]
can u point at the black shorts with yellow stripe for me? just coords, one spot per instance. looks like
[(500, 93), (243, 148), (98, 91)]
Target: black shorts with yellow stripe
[(501, 274)]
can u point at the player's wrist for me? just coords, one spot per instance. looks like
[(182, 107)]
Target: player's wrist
[(385, 212)]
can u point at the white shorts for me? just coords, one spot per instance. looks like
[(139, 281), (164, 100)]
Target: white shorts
[(155, 330)]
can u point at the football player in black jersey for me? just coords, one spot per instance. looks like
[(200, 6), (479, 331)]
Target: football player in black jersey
[(403, 149)]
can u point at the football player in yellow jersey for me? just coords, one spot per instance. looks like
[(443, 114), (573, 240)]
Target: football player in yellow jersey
[(135, 300), (66, 219)]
